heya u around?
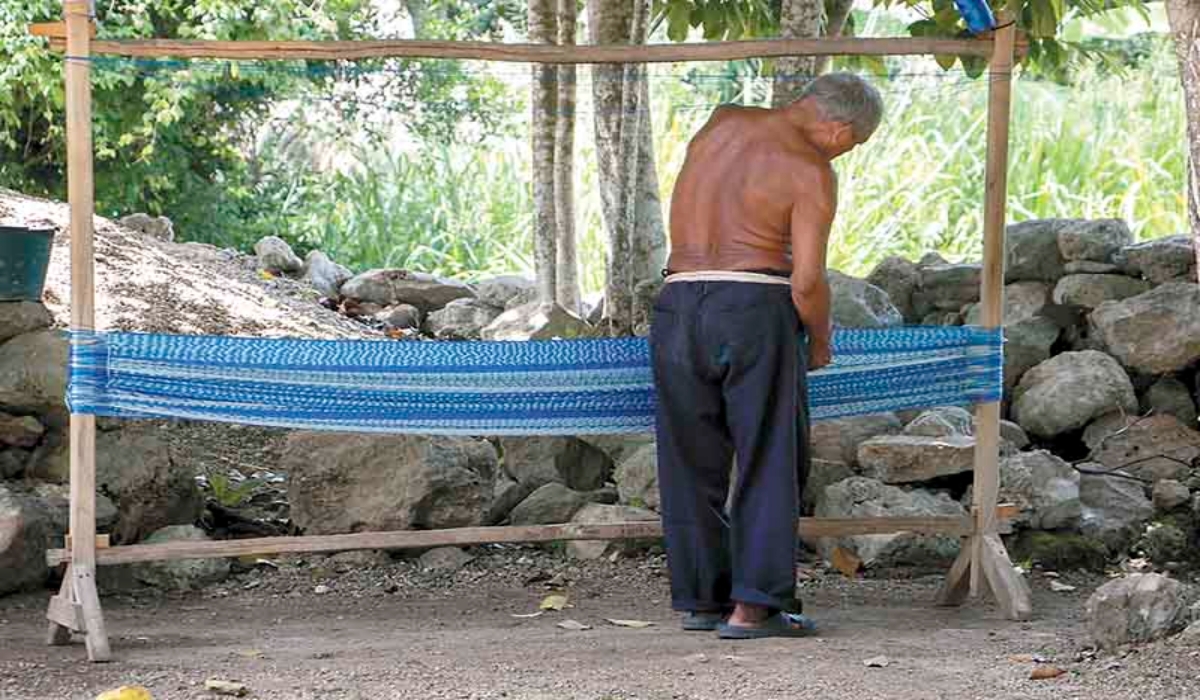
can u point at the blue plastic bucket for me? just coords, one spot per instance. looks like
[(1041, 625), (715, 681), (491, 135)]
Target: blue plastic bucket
[(24, 259)]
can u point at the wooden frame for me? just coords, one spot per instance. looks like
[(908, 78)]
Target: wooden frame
[(983, 563)]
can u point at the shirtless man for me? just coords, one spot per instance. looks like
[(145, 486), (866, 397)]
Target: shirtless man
[(746, 300)]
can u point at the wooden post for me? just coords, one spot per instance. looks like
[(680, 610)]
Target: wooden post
[(984, 563), (78, 597)]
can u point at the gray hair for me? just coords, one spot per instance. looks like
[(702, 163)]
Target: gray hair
[(847, 98)]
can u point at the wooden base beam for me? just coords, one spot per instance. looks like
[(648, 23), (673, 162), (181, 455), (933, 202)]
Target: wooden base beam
[(809, 529), (997, 576)]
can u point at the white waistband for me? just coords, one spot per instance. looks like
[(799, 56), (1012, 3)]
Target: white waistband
[(727, 276)]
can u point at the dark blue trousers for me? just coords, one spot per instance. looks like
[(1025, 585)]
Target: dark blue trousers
[(730, 379)]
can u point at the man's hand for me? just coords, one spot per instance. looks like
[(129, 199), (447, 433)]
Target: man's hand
[(819, 355)]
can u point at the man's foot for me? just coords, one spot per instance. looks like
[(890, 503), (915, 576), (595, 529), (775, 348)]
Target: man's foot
[(778, 625), (702, 621)]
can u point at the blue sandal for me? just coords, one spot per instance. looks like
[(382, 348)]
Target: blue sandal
[(703, 621), (779, 625)]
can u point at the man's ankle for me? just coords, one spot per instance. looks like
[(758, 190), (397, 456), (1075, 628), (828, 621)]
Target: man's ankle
[(748, 613)]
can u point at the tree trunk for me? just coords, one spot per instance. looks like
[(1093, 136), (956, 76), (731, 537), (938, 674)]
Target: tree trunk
[(836, 14), (567, 268), (798, 19), (543, 105), (1184, 16), (624, 148)]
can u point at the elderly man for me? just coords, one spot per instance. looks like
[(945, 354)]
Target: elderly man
[(743, 316)]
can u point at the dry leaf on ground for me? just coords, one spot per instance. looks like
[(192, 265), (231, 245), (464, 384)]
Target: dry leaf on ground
[(1042, 673), (574, 626), (636, 624), (554, 602)]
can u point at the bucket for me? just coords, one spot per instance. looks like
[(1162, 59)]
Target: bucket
[(24, 259)]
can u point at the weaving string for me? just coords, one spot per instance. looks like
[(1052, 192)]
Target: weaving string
[(574, 387)]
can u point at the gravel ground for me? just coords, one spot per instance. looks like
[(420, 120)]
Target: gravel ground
[(383, 628)]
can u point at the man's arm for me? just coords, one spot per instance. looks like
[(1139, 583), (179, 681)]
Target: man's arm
[(812, 219)]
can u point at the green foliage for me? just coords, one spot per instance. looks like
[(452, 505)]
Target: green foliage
[(230, 493)]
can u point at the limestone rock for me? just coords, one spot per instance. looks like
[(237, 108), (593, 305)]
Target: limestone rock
[(822, 473), (1163, 260), (567, 460), (1090, 291), (1022, 301), (618, 447), (401, 316), (461, 319), (349, 482), (945, 421), (600, 514), (530, 295), (1095, 240), (21, 317), (1114, 508), (390, 287), (1067, 391), (902, 459), (56, 500), (1044, 488), (1170, 494), (860, 304), (499, 291), (947, 288), (1032, 251), (838, 440), (276, 255), (536, 321), (1134, 444), (1090, 267), (150, 485), (859, 497), (12, 463), (1136, 608), (33, 376), (506, 494), (183, 574), (20, 431), (1156, 332), (1171, 397), (1013, 434), (159, 227), (326, 276), (637, 478), (445, 560), (1027, 344), (898, 278), (24, 537)]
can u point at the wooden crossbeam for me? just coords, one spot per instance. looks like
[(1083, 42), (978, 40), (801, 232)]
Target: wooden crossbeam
[(539, 53), (810, 529)]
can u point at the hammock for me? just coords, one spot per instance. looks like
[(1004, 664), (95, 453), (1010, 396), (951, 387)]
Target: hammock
[(557, 387)]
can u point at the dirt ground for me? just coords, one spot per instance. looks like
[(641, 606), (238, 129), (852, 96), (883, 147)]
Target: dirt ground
[(387, 629)]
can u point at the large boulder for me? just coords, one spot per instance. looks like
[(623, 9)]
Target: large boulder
[(159, 227), (1089, 291), (21, 317), (25, 532), (618, 447), (1032, 252), (461, 319), (905, 459), (390, 287), (1027, 344), (1067, 391), (898, 278), (822, 473), (1022, 301), (567, 460), (12, 463), (276, 255), (1156, 332), (947, 288), (33, 375), (943, 421), (1162, 260), (20, 431), (1153, 448), (1096, 240), (1170, 396), (856, 303), (536, 321), (859, 497), (838, 440), (151, 485), (551, 504), (1114, 505), (350, 482), (637, 478), (499, 291), (601, 514), (1043, 487), (326, 276), (1169, 494), (1137, 608)]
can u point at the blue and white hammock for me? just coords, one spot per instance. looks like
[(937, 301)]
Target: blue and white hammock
[(568, 387)]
